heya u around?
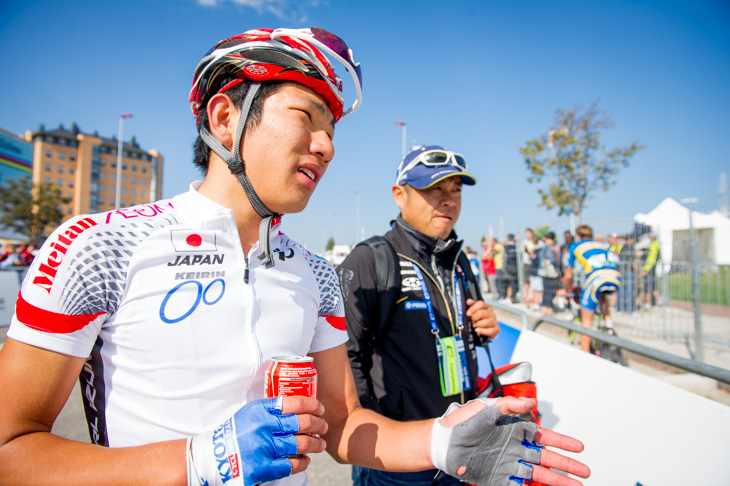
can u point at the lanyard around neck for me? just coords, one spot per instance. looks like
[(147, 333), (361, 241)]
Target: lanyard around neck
[(429, 304)]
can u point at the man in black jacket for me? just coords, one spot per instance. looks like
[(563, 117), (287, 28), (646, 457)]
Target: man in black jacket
[(423, 357)]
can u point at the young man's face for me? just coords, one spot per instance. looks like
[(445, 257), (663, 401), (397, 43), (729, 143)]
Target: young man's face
[(289, 151), (432, 211)]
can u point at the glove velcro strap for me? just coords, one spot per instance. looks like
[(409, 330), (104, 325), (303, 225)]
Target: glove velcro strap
[(214, 458)]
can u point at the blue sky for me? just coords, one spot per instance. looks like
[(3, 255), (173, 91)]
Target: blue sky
[(480, 78)]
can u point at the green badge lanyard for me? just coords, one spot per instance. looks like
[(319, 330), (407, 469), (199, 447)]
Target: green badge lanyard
[(453, 371)]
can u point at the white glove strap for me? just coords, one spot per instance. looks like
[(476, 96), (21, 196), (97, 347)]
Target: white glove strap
[(440, 435), (201, 471)]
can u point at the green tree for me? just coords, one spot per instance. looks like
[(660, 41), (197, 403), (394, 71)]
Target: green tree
[(30, 208), (573, 160), (541, 231), (330, 244)]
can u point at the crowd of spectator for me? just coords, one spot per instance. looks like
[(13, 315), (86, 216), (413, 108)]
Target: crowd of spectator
[(14, 256), (539, 263)]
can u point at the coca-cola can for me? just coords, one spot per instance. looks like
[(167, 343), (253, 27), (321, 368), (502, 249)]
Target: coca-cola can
[(291, 375)]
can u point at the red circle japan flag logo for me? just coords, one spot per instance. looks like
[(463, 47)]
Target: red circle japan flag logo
[(194, 240)]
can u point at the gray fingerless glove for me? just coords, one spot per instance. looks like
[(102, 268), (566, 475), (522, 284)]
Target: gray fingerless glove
[(495, 448)]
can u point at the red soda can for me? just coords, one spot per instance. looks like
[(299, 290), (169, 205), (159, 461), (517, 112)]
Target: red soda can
[(291, 375)]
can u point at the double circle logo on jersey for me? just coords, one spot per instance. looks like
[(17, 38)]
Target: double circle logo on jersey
[(178, 302)]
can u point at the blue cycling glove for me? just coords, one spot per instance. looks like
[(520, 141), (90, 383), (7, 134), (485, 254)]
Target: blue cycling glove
[(251, 447)]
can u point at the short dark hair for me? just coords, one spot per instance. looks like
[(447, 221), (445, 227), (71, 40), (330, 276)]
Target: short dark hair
[(201, 151)]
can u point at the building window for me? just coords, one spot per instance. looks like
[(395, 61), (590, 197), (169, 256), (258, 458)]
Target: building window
[(70, 183), (61, 155), (47, 180), (112, 177), (134, 180), (143, 181), (101, 175), (124, 178), (71, 157), (134, 168), (113, 165), (144, 170), (69, 211), (60, 169), (133, 192), (124, 190), (48, 167), (49, 153), (112, 202), (72, 170), (141, 192), (59, 182), (101, 188)]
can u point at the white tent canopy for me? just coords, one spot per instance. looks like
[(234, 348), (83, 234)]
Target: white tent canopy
[(670, 220)]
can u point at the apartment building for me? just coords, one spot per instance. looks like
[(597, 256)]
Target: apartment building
[(84, 167)]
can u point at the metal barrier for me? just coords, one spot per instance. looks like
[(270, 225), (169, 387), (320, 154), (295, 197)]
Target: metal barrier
[(716, 373), (10, 280), (511, 310), (676, 302)]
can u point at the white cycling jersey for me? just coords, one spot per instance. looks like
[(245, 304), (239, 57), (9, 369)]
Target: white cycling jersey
[(154, 296)]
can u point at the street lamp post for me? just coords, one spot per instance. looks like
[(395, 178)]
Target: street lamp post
[(403, 124), (699, 353), (117, 201)]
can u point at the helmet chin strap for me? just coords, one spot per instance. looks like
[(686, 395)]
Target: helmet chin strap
[(235, 165)]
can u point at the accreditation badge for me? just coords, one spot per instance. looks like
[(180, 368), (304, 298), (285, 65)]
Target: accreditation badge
[(453, 371)]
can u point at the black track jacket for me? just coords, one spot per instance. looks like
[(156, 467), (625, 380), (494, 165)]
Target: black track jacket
[(396, 369)]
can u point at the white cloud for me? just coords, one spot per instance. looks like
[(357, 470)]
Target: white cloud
[(292, 10)]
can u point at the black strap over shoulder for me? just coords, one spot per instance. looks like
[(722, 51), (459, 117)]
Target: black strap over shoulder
[(387, 279), (472, 283)]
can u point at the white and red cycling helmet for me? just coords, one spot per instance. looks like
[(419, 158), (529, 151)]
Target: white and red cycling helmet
[(297, 55), (266, 55)]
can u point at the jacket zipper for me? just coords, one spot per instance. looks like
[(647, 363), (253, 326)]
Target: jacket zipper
[(245, 269)]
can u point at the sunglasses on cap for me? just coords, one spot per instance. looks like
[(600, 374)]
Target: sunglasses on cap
[(335, 47), (434, 158)]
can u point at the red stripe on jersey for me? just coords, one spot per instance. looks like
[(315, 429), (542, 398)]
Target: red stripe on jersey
[(47, 321), (336, 322)]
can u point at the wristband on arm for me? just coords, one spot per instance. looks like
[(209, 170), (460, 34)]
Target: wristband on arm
[(496, 449), (251, 447)]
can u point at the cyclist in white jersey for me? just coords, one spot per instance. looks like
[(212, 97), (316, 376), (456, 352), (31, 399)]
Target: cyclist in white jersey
[(169, 313)]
